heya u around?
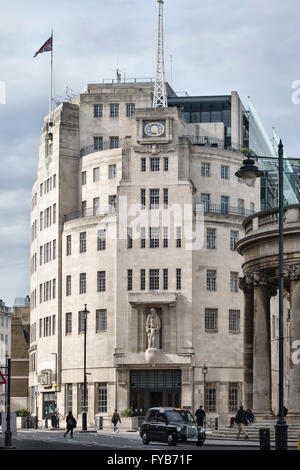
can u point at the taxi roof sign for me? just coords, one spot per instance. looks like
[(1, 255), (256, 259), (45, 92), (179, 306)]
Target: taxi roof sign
[(2, 379)]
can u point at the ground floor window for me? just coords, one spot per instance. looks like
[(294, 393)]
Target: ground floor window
[(233, 397), (210, 397), (101, 403)]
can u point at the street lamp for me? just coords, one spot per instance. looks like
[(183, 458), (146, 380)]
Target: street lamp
[(204, 372), (249, 172), (84, 417)]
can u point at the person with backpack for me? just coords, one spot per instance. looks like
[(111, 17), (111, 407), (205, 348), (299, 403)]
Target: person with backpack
[(241, 420), (115, 418), (71, 424)]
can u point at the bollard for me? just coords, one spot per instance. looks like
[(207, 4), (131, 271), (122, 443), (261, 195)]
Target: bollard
[(46, 421), (216, 423), (264, 439), (100, 422)]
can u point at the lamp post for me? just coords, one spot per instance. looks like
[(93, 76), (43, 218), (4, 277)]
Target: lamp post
[(249, 172), (84, 416), (204, 372)]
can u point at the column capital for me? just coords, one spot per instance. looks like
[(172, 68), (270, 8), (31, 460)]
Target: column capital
[(292, 271), (259, 278)]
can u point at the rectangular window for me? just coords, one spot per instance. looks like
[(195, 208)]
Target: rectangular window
[(225, 172), (101, 281), (101, 240), (96, 174), (211, 238), (224, 204), (82, 283), (54, 181), (114, 142), (129, 279), (112, 171), (252, 207), (234, 320), (178, 278), (233, 397), (178, 237), (69, 397), (96, 206), (54, 214), (143, 164), (41, 255), (241, 207), (114, 110), (68, 285), (211, 280), (83, 209), (129, 237), (165, 237), (98, 143), (112, 201), (41, 221), (166, 163), (54, 249), (210, 403), (82, 242), (143, 199), (101, 406), (83, 178), (81, 394), (234, 236), (205, 199), (130, 107), (101, 320), (154, 237), (98, 110), (41, 189), (165, 279), (211, 319), (154, 163), (234, 282), (166, 198), (154, 279), (53, 288), (69, 245), (143, 237), (154, 198), (82, 323), (205, 169), (143, 279), (68, 323), (53, 324)]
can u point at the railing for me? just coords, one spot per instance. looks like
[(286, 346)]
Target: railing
[(223, 209), (205, 141), (91, 212), (127, 80), (106, 145)]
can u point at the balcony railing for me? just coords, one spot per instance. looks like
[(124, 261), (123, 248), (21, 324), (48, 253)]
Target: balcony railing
[(205, 141), (101, 211), (223, 209), (105, 145)]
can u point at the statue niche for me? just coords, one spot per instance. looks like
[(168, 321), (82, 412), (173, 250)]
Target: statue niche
[(153, 327)]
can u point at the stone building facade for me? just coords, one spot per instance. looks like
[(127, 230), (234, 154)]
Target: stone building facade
[(5, 344), (138, 220)]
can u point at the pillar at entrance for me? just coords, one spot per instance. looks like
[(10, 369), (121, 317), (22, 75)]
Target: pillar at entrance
[(248, 349), (261, 352), (294, 395)]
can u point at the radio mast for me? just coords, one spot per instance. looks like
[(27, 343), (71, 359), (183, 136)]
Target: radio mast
[(160, 91)]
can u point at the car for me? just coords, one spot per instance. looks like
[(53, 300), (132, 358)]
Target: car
[(171, 425)]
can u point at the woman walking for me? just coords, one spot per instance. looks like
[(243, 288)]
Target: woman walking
[(71, 424)]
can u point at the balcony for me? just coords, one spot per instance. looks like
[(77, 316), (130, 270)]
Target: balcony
[(109, 209), (223, 209)]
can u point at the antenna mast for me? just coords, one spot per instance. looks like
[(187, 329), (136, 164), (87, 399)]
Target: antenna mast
[(160, 91)]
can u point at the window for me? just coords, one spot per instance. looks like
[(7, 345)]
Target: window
[(210, 398), (54, 181), (112, 171), (41, 255), (96, 206), (165, 237), (166, 163), (53, 288), (96, 174), (68, 285), (81, 386), (101, 281), (114, 142), (143, 199), (69, 397), (178, 278), (205, 199), (205, 169), (154, 198), (252, 207), (143, 164), (211, 319), (68, 323), (234, 282), (225, 172), (41, 220), (69, 245), (165, 279), (101, 240), (211, 238), (130, 107), (41, 189), (224, 204), (101, 404), (234, 320), (82, 283), (82, 323), (129, 237), (101, 320), (234, 236), (98, 143), (129, 279), (82, 242), (98, 110), (154, 237), (114, 110), (233, 397), (143, 237), (53, 324), (241, 207), (211, 280), (112, 201), (83, 209), (54, 249), (166, 198), (178, 237), (154, 279), (143, 279), (83, 178), (154, 164)]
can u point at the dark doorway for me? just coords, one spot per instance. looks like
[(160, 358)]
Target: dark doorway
[(156, 399)]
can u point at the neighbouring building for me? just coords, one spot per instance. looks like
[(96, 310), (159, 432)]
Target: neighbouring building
[(5, 344)]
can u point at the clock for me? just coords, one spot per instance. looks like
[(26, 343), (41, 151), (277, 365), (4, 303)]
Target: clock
[(154, 129)]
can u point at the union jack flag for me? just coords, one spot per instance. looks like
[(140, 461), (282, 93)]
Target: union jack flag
[(46, 47)]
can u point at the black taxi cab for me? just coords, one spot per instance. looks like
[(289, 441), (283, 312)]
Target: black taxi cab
[(171, 425)]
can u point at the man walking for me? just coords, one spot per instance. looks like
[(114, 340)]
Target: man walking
[(115, 418), (200, 415), (241, 420), (71, 424)]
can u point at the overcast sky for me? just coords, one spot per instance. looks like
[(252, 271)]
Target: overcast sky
[(216, 46)]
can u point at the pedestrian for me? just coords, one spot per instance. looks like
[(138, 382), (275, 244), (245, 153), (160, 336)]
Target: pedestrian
[(241, 420), (250, 416), (71, 424), (200, 415), (115, 418)]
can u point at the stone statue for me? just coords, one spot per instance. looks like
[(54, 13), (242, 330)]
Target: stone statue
[(153, 326)]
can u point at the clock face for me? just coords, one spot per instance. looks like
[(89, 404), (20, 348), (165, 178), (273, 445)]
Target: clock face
[(154, 129)]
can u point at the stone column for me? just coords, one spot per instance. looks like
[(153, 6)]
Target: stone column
[(261, 350), (294, 392), (247, 287)]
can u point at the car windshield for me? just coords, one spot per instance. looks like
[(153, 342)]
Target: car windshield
[(180, 415)]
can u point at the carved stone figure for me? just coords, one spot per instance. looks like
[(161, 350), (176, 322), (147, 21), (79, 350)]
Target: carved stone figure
[(153, 325)]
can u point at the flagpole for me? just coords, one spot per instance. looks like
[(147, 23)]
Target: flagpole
[(51, 79)]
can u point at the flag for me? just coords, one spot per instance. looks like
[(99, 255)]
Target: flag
[(46, 47)]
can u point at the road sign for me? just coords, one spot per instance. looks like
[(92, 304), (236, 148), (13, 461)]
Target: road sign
[(2, 379)]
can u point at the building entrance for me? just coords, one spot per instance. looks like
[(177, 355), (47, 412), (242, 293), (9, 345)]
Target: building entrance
[(150, 388), (48, 404)]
